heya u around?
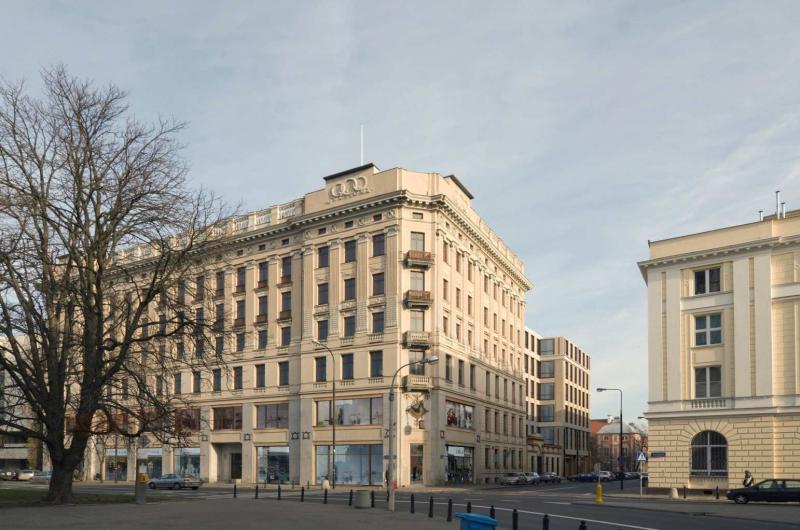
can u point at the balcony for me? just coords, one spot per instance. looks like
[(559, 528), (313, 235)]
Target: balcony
[(285, 280), (260, 319), (419, 258), (286, 314), (416, 383), (239, 289), (262, 284), (219, 293), (238, 323), (713, 403), (218, 325), (417, 339), (418, 299)]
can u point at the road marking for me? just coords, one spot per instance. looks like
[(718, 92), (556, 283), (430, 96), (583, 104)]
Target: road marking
[(555, 502)]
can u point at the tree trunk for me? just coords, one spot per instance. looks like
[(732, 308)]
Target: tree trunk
[(60, 491)]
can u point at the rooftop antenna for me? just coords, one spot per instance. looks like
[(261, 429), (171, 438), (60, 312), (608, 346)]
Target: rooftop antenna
[(362, 146), (761, 215), (777, 204)]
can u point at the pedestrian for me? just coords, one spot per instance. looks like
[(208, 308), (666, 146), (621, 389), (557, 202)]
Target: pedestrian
[(748, 479)]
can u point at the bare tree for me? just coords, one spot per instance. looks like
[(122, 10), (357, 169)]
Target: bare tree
[(101, 242)]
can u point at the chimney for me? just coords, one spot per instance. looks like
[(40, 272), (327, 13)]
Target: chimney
[(777, 204), (783, 210), (760, 215), (610, 419)]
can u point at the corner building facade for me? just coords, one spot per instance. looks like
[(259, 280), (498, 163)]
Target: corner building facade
[(383, 268), (724, 355)]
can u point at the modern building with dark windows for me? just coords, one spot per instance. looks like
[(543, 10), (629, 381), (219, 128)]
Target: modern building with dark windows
[(382, 268)]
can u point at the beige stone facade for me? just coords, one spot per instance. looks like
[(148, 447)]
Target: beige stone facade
[(724, 355), (384, 268)]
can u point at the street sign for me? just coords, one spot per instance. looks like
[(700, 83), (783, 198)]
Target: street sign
[(658, 454), (641, 457)]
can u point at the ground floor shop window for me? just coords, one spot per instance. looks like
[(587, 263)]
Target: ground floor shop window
[(355, 464), (416, 462), (273, 464), (116, 464), (459, 464), (187, 461), (150, 458)]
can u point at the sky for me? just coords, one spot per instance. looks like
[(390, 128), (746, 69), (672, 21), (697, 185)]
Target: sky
[(584, 129)]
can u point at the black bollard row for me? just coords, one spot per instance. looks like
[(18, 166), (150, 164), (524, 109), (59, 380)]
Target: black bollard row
[(302, 494), (491, 511), (582, 526), (234, 491), (430, 507), (546, 522), (684, 492), (372, 499), (449, 510), (325, 497), (279, 492), (256, 491), (515, 520), (469, 507), (387, 495), (350, 501), (717, 492), (412, 504)]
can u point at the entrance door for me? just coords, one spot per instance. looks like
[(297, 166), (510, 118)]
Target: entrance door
[(416, 463), (236, 466)]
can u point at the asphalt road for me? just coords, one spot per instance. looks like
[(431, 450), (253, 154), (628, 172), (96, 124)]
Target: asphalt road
[(566, 505)]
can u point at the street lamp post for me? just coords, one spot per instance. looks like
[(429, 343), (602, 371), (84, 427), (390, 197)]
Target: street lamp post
[(621, 465), (392, 457), (332, 413)]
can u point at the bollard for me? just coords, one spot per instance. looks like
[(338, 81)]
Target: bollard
[(717, 492), (302, 493), (582, 526), (515, 520), (491, 511), (598, 494), (350, 502), (412, 504), (256, 491), (387, 494), (449, 510), (430, 507), (684, 492), (372, 499), (279, 492), (325, 497), (469, 507), (234, 490), (545, 522)]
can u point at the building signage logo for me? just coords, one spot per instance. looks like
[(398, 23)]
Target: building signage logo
[(349, 187)]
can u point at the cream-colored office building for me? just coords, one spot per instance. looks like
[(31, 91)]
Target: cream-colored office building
[(558, 397), (384, 268), (724, 355)]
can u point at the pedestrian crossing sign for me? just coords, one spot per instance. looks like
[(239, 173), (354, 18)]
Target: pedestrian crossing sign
[(641, 457)]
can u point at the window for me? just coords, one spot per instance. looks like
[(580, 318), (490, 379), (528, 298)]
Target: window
[(347, 366), (262, 307), (707, 382), (286, 335), (418, 241), (448, 367), (417, 320), (272, 416), (181, 350), (177, 389), (286, 269), (219, 344), (458, 261), (240, 309), (377, 322), (546, 346), (217, 378), (263, 274), (322, 330), (377, 217), (377, 284), (472, 377), (240, 342), (445, 325), (445, 252), (219, 314), (187, 420), (262, 339), (286, 301), (378, 245), (349, 326), (709, 455), (416, 215), (487, 383), (350, 251), (283, 373), (469, 305), (547, 369), (321, 369), (261, 378), (350, 289), (323, 257), (375, 363), (459, 415), (549, 434), (708, 329), (363, 411), (348, 224), (546, 391), (240, 278), (415, 357), (237, 378), (220, 280), (461, 372), (707, 281), (417, 281), (196, 382), (322, 294), (445, 289), (227, 418), (547, 413)]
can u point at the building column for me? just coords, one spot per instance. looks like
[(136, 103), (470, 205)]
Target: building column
[(297, 296), (306, 318), (363, 282), (272, 302), (248, 451), (208, 457), (393, 283), (334, 287)]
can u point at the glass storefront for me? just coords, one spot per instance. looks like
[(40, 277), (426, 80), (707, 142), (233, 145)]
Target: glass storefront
[(151, 459), (355, 464), (459, 464), (273, 464), (416, 462), (116, 464), (187, 461)]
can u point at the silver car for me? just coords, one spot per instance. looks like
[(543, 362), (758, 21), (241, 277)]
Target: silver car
[(513, 479), (174, 482), (532, 477)]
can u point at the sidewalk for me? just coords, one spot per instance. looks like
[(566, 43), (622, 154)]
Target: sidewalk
[(216, 513)]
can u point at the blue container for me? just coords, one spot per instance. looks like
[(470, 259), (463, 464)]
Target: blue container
[(473, 521)]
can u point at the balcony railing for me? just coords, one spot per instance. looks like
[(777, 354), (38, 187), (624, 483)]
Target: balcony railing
[(712, 403), (286, 314), (239, 289), (238, 323), (419, 258), (285, 280), (417, 383), (417, 339), (418, 298), (260, 319), (262, 284)]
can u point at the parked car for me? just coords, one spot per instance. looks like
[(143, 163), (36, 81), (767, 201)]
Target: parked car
[(551, 477), (41, 476), (605, 476), (6, 474), (23, 474), (532, 477), (772, 490), (513, 479), (631, 475), (586, 477), (174, 482)]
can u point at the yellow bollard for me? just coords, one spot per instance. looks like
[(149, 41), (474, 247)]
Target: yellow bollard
[(598, 494)]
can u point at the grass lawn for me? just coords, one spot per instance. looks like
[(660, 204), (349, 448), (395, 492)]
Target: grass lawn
[(29, 497)]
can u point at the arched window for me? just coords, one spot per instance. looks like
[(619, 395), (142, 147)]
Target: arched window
[(709, 455)]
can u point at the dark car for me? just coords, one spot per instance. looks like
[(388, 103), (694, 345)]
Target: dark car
[(550, 477), (174, 482), (772, 490)]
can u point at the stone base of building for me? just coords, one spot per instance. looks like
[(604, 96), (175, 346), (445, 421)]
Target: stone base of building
[(767, 445)]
